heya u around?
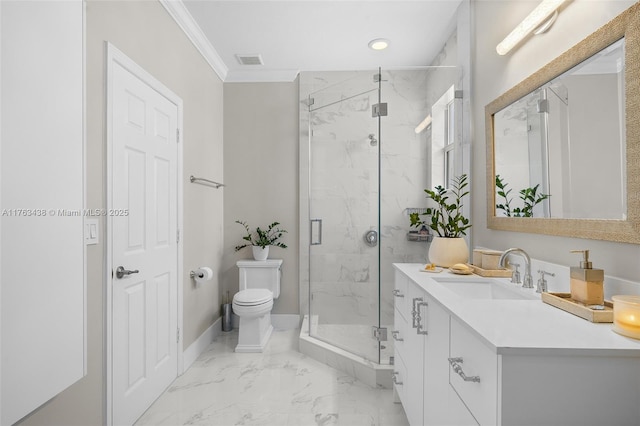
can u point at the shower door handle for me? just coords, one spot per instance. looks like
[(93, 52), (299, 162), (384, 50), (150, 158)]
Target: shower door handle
[(316, 237)]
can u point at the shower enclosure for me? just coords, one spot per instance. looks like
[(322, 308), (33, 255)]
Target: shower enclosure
[(364, 166)]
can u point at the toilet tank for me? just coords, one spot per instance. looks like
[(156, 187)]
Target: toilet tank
[(260, 274)]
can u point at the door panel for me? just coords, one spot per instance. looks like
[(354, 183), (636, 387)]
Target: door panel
[(144, 199), (344, 269)]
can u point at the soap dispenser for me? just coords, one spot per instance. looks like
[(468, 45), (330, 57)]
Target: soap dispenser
[(586, 282)]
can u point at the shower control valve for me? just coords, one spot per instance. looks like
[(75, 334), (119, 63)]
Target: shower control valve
[(371, 238)]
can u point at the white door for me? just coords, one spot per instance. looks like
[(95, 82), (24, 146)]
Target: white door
[(144, 244)]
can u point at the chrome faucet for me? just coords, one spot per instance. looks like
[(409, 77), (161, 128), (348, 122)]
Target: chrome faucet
[(528, 281)]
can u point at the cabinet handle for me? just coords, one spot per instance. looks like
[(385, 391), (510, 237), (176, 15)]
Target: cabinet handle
[(397, 293), (414, 312), (395, 378), (419, 319), (455, 364), (395, 335)]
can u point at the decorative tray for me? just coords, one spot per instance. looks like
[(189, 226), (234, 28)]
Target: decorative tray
[(566, 303), (500, 273)]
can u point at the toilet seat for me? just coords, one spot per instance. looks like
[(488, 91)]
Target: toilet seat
[(253, 297), (252, 302)]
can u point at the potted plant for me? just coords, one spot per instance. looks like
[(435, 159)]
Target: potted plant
[(448, 222), (261, 239)]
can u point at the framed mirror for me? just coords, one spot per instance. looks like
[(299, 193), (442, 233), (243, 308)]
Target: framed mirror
[(563, 146)]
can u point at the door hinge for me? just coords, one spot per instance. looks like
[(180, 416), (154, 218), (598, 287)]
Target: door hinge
[(379, 333), (178, 335), (379, 110), (177, 135), (177, 235), (543, 106)]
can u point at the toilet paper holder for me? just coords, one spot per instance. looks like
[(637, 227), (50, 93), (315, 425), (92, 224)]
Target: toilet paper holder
[(194, 274), (201, 274)]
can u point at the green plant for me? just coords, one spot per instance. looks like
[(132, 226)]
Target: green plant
[(446, 219), (529, 197), (262, 237)]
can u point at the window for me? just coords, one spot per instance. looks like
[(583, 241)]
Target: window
[(443, 139)]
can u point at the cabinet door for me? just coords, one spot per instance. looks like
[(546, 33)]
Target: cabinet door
[(458, 414), (399, 378), (436, 373), (399, 333), (414, 349), (400, 295), (473, 373)]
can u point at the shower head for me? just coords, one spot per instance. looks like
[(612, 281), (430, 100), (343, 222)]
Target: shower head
[(372, 139)]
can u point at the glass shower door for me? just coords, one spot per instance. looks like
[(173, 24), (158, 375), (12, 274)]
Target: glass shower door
[(344, 256)]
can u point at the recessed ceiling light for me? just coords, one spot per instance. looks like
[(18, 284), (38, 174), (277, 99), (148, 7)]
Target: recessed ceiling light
[(379, 44)]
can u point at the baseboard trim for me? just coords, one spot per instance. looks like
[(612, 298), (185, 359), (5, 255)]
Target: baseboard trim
[(201, 344)]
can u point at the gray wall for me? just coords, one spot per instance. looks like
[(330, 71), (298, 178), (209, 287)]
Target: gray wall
[(492, 76), (145, 32), (261, 174)]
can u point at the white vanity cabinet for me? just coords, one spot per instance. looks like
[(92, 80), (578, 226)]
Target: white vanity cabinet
[(548, 388), (453, 372), (422, 369), (408, 348), (421, 334)]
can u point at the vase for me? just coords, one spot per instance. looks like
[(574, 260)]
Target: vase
[(260, 253), (447, 252)]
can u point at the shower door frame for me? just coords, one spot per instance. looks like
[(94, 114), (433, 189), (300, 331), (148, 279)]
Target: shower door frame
[(376, 294)]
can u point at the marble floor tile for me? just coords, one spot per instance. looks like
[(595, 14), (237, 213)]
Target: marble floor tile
[(278, 387)]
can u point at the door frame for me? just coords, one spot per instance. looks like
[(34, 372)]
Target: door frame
[(115, 56)]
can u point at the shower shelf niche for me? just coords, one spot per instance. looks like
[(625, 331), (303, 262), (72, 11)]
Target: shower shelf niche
[(419, 238)]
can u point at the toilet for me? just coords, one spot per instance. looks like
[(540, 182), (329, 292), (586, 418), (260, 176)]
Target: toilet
[(259, 285)]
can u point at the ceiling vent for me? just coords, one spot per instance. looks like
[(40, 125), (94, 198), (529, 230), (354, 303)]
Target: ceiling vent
[(250, 59)]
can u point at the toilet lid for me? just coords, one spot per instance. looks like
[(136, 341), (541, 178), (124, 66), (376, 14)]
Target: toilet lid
[(253, 296)]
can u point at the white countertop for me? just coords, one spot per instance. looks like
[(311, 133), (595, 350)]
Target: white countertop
[(522, 326)]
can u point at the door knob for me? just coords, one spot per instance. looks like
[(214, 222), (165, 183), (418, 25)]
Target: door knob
[(121, 272)]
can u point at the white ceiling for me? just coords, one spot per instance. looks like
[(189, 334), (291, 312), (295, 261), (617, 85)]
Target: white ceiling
[(316, 35)]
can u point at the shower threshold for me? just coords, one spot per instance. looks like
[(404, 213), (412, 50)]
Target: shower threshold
[(368, 372)]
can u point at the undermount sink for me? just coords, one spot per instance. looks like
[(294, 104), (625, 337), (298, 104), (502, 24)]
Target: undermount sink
[(487, 289)]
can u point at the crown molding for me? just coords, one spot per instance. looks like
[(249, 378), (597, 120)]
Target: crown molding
[(261, 76), (185, 21)]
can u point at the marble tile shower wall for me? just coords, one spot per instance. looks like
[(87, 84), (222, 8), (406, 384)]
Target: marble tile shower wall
[(344, 193)]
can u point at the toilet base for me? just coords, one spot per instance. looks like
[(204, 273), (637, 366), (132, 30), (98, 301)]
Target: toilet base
[(254, 333)]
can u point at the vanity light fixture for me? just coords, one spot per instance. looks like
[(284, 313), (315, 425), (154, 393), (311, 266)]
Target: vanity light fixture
[(379, 44), (423, 125), (534, 22)]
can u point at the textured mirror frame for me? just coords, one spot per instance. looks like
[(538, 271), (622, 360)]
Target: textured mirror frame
[(626, 25)]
